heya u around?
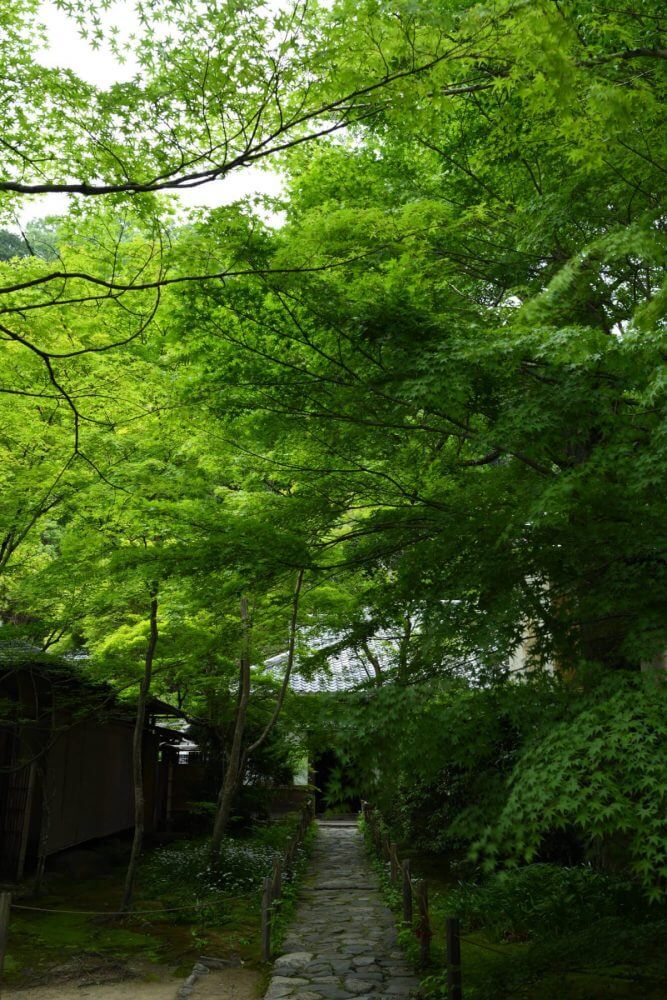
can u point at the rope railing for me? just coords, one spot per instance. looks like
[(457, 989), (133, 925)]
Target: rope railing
[(109, 913), (155, 911)]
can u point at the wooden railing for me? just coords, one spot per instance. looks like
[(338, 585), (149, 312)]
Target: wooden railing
[(414, 897), (272, 887)]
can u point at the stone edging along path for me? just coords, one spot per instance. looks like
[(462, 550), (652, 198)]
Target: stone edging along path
[(343, 942)]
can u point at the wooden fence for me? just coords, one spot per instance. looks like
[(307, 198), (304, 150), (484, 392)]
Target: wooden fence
[(272, 888), (414, 895)]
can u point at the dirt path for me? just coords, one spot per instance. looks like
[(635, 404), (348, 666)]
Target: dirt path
[(227, 984)]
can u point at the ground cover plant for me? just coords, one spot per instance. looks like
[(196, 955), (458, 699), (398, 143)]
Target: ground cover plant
[(183, 910)]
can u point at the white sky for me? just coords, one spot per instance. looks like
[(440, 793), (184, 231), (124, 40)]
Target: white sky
[(67, 49)]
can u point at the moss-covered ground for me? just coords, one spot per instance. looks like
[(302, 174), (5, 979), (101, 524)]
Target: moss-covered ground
[(224, 923)]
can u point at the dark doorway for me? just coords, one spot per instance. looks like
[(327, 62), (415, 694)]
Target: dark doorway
[(334, 788)]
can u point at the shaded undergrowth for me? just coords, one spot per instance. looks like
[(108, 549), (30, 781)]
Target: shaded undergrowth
[(538, 932), (182, 910)]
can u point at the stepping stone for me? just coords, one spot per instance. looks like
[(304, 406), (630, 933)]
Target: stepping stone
[(359, 986), (294, 958)]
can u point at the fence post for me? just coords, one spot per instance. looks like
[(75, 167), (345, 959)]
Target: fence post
[(407, 892), (393, 859), (266, 919), (276, 885), (424, 930), (5, 906), (454, 989)]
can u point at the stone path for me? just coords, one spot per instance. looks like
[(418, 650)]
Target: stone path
[(343, 941)]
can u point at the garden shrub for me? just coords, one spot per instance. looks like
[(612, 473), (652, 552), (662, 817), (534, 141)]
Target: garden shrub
[(602, 772), (554, 931), (568, 769), (540, 900)]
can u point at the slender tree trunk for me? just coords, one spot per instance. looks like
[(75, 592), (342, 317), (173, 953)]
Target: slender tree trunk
[(288, 672), (233, 774), (137, 756)]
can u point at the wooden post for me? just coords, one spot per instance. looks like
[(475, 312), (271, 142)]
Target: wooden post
[(454, 989), (407, 892), (5, 906), (424, 929), (25, 833), (170, 790), (266, 920), (387, 847), (393, 858), (277, 885)]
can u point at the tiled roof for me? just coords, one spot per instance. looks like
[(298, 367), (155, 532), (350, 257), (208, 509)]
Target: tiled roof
[(343, 670)]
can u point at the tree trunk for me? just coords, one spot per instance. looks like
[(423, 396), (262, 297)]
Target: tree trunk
[(288, 672), (233, 773), (137, 756)]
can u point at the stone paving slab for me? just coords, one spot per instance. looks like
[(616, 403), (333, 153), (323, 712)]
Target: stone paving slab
[(342, 944)]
